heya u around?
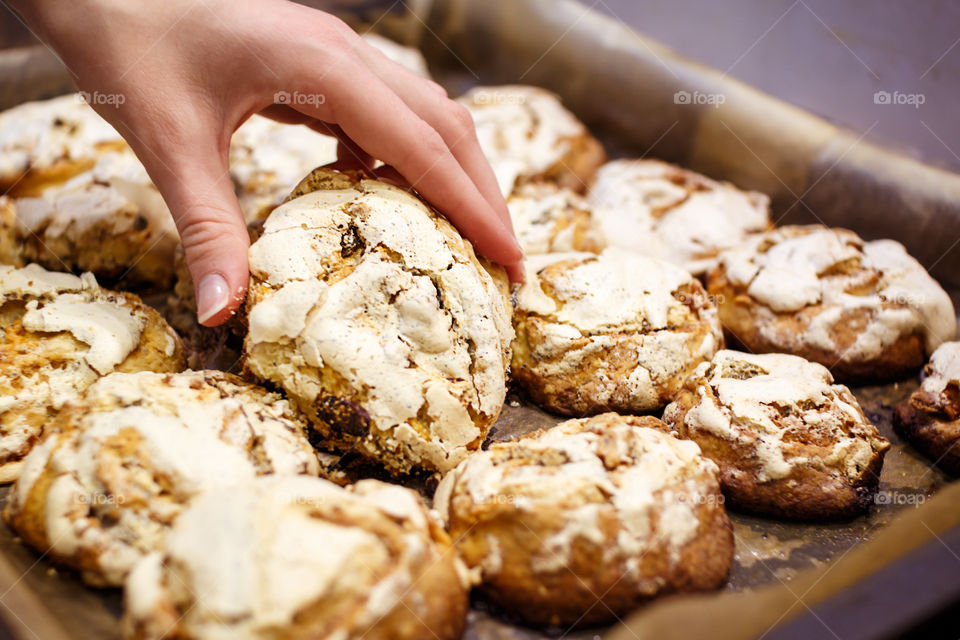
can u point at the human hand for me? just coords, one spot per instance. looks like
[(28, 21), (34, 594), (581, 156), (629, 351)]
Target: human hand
[(191, 71)]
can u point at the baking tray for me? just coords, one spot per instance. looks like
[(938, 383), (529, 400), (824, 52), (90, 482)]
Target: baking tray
[(623, 89)]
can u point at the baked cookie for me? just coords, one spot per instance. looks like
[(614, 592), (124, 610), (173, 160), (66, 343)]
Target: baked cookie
[(109, 220), (319, 561), (407, 57), (120, 462), (49, 141), (268, 159), (866, 310), (372, 313), (609, 332), (581, 523), (663, 211), (930, 418), (59, 333), (789, 442), (550, 219), (527, 134)]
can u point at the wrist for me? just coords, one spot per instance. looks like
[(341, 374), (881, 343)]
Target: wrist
[(58, 23)]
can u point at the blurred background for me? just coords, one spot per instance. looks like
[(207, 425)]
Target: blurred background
[(831, 57)]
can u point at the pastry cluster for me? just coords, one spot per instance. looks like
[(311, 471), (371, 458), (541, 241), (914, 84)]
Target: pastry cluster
[(59, 334), (120, 461), (375, 343)]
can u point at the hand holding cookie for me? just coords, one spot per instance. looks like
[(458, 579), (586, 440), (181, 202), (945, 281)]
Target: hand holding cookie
[(176, 79)]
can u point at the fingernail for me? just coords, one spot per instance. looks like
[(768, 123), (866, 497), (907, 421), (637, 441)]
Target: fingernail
[(212, 296), (517, 247)]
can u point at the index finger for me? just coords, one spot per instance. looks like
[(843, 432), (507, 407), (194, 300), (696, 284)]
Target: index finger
[(419, 153)]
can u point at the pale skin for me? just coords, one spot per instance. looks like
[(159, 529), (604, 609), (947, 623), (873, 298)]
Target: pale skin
[(192, 71)]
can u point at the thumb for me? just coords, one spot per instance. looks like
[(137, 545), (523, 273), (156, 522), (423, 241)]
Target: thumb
[(197, 188)]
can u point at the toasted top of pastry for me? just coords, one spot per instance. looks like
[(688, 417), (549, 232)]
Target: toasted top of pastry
[(121, 461), (794, 267), (522, 130), (667, 212), (328, 561), (363, 281), (584, 469), (36, 136), (776, 401)]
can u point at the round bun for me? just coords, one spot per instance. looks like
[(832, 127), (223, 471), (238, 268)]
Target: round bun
[(551, 219), (300, 558), (379, 321), (580, 523), (527, 135), (614, 332), (119, 463), (789, 442), (930, 418), (60, 333), (663, 211), (866, 310), (109, 220), (49, 141)]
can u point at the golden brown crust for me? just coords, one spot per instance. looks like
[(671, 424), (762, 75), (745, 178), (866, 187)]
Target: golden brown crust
[(528, 136), (866, 310), (39, 370), (418, 374), (626, 364), (823, 465), (551, 219), (32, 182), (141, 256), (578, 167), (934, 435), (109, 220), (10, 250), (739, 313), (118, 463), (930, 418), (568, 556)]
